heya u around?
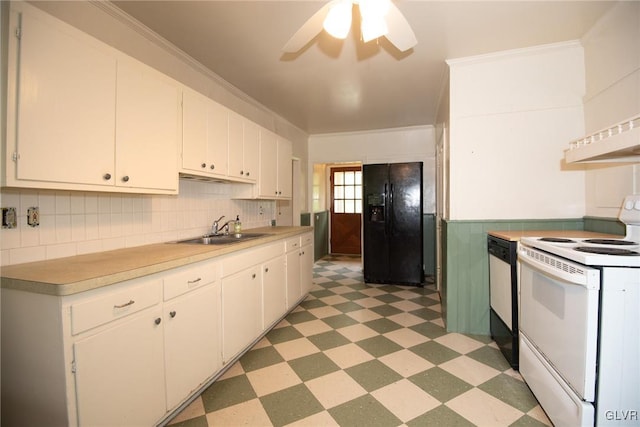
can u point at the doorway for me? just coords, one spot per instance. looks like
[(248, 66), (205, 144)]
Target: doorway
[(346, 210)]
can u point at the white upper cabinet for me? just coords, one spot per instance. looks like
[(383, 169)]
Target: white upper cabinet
[(82, 116), (147, 128), (64, 104), (205, 136), (243, 148), (275, 166)]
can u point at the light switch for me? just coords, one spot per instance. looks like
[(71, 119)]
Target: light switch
[(33, 216), (9, 218)]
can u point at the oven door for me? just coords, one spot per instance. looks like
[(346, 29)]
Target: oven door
[(559, 316)]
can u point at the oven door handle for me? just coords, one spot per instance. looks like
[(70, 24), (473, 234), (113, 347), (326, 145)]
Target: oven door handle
[(560, 269)]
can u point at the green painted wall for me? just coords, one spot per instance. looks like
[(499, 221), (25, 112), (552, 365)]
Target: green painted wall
[(465, 275)]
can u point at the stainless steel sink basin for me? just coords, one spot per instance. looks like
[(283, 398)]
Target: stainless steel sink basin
[(223, 239)]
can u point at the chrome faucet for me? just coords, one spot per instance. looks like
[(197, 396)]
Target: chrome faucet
[(216, 229)]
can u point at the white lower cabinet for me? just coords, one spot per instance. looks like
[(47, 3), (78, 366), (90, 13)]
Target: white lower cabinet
[(120, 373), (132, 352), (306, 263), (192, 349), (241, 311), (274, 290)]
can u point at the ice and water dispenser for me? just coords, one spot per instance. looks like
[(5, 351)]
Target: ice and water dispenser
[(375, 208)]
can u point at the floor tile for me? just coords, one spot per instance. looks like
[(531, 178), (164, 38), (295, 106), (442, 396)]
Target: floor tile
[(429, 329), (335, 388), (373, 375), (272, 378), (490, 356), (282, 410), (293, 349), (260, 358), (322, 312), (313, 366), (348, 355), (339, 321), (405, 400), (406, 337), (440, 384), (364, 315), (382, 325), (312, 327), (458, 342), (228, 392), (483, 409), (434, 352), (379, 345), (470, 370), (509, 390), (406, 363), (250, 413), (316, 420), (191, 412), (441, 416), (300, 317), (283, 334), (364, 411), (358, 332), (327, 340), (406, 319), (347, 306)]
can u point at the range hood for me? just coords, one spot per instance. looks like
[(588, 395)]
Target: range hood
[(617, 143)]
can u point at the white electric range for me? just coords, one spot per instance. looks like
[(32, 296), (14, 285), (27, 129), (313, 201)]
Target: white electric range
[(579, 320)]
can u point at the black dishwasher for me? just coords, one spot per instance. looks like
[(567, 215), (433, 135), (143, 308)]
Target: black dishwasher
[(503, 291)]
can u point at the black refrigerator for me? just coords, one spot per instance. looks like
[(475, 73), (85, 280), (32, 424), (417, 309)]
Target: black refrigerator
[(392, 223)]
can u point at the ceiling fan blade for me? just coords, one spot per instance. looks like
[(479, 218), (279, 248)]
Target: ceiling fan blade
[(400, 33), (308, 30)]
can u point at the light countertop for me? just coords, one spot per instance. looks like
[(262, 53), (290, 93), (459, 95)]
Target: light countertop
[(516, 235), (66, 276)]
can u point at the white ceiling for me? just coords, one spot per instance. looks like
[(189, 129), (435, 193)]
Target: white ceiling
[(337, 86)]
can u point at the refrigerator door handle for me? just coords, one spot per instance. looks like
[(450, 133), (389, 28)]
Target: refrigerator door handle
[(390, 222), (386, 209)]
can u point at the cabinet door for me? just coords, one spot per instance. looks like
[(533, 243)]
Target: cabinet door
[(306, 268), (293, 277), (120, 373), (285, 167), (274, 290), (147, 130), (192, 342), (241, 311), (204, 135), (268, 164), (236, 147), (65, 104), (251, 143)]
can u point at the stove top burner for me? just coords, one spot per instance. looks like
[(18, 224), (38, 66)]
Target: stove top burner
[(556, 240), (607, 251), (610, 242)]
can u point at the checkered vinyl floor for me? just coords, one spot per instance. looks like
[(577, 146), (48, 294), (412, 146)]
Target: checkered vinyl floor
[(358, 354)]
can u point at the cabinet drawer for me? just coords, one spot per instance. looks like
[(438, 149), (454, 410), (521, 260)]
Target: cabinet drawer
[(251, 257), (191, 277), (292, 243), (306, 239), (111, 306)]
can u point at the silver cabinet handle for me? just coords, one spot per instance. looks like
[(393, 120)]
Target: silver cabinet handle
[(107, 176), (125, 178), (194, 281), (126, 304)]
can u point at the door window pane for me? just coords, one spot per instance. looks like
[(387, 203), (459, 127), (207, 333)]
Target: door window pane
[(347, 191)]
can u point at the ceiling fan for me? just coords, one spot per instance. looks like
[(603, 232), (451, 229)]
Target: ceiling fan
[(379, 18)]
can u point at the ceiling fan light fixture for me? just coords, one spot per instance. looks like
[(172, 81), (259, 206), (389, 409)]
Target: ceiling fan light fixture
[(373, 27), (338, 20)]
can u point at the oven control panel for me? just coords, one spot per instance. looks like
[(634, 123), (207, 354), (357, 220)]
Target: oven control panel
[(630, 212)]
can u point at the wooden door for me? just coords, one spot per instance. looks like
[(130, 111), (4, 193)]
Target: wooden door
[(346, 210)]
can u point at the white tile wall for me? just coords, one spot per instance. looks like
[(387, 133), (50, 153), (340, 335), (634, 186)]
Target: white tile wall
[(75, 223)]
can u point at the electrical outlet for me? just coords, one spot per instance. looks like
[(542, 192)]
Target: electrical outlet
[(9, 218), (33, 216)]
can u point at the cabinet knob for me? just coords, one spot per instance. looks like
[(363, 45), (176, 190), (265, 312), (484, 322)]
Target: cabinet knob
[(203, 165), (157, 321), (172, 314), (241, 172), (125, 178), (266, 270), (212, 166), (247, 173), (107, 176), (253, 276)]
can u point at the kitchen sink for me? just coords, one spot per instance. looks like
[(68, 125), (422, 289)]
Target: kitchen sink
[(222, 239)]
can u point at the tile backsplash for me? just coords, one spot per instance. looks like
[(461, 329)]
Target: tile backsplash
[(75, 223)]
